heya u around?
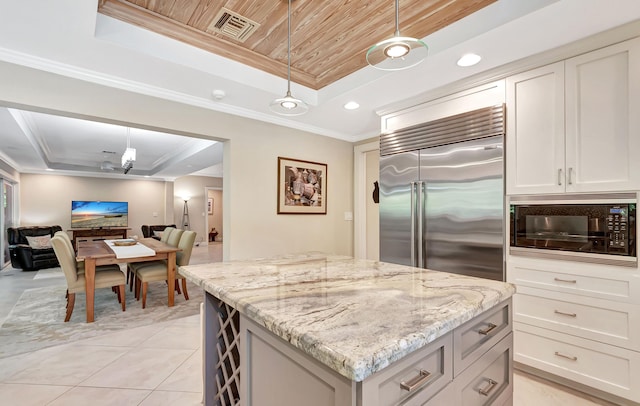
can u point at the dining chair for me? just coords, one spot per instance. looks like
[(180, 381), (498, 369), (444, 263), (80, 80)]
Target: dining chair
[(153, 271), (72, 252), (131, 277), (66, 238), (174, 237), (109, 276), (165, 234)]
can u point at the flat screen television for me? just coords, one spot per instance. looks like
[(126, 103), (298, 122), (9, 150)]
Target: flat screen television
[(97, 214)]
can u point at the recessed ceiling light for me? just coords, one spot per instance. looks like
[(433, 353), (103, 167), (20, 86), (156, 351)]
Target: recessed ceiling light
[(49, 170), (469, 60), (351, 105)]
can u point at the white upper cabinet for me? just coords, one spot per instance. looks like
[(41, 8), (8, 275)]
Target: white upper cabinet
[(573, 126), (535, 131), (602, 127)]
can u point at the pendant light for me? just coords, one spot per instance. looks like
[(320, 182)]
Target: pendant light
[(289, 105), (398, 52)]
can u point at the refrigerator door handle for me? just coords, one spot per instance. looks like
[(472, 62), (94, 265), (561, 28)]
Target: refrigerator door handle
[(413, 223), (422, 197)]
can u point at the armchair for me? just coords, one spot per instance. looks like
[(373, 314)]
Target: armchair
[(35, 255)]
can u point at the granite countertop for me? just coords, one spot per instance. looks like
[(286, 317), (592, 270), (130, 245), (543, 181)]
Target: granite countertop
[(355, 316)]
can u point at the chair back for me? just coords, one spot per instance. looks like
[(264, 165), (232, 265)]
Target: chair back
[(65, 258), (187, 240), (67, 241), (174, 237), (166, 233)]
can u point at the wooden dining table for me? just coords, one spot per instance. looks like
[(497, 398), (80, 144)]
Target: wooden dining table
[(95, 253)]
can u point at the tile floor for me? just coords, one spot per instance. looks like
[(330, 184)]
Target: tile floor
[(155, 365)]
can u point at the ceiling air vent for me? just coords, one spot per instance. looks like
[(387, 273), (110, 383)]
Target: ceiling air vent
[(233, 25)]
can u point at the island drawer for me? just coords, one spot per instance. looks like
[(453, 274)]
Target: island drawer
[(477, 336), (489, 380), (445, 397), (414, 379), (596, 319), (604, 367)]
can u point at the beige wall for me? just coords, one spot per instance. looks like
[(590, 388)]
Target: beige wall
[(46, 199), (252, 227)]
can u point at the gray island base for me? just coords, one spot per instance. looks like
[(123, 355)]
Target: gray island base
[(315, 329)]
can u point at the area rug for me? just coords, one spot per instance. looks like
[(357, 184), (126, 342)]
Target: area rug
[(37, 319), (49, 273)]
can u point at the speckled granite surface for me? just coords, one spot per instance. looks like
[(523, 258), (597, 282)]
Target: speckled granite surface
[(355, 316)]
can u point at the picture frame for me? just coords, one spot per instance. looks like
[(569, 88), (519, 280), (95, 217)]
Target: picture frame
[(210, 205), (302, 187)]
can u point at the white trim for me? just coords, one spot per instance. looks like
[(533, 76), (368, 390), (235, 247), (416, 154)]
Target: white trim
[(359, 198), (47, 65)]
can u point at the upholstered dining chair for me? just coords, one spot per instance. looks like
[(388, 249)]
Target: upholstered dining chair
[(109, 276), (165, 234), (72, 252), (174, 237), (66, 238), (170, 236), (153, 271)]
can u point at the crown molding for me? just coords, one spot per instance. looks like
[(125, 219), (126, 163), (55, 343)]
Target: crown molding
[(74, 72)]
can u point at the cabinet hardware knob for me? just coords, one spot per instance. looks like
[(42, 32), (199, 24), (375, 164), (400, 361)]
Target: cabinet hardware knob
[(487, 330), (489, 388), (565, 314), (565, 280), (417, 381), (569, 357)]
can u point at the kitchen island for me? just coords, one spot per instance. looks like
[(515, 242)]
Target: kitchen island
[(319, 329)]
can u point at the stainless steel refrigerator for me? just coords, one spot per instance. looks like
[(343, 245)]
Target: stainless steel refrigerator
[(442, 208)]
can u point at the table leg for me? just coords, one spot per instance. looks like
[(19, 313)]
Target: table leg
[(90, 285), (171, 278)]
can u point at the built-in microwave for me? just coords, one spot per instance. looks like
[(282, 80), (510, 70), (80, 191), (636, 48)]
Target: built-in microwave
[(595, 226)]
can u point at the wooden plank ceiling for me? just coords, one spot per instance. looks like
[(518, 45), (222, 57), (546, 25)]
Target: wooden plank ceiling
[(329, 38)]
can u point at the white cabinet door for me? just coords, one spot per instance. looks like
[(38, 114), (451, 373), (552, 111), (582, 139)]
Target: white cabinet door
[(602, 119), (535, 150)]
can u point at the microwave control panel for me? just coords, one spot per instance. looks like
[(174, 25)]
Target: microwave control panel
[(617, 227)]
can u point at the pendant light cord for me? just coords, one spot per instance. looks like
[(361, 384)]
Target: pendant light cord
[(397, 34), (289, 49)]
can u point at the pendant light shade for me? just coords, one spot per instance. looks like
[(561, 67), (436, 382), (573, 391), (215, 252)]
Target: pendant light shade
[(289, 105), (398, 52)]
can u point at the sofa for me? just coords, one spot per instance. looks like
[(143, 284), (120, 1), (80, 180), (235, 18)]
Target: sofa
[(150, 231), (30, 247)]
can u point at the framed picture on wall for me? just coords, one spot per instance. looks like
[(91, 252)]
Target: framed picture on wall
[(210, 205), (302, 187)]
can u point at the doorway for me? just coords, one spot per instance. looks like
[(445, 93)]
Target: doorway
[(7, 218), (213, 221), (366, 225)]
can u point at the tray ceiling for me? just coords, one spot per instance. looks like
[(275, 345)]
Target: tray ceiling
[(329, 38)]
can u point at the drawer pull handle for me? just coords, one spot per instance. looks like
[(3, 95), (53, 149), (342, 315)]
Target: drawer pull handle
[(416, 382), (488, 329), (489, 388), (565, 314), (569, 357), (565, 280), (560, 177)]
